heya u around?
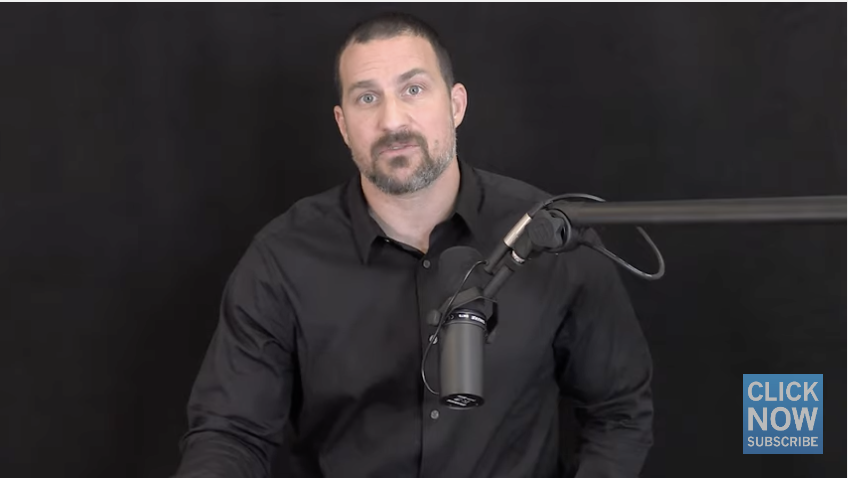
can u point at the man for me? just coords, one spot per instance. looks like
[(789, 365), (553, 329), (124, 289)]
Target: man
[(323, 322)]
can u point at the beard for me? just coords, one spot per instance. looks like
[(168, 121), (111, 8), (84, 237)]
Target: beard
[(432, 165)]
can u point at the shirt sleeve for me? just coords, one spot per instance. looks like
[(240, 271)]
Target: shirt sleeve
[(241, 398), (605, 368)]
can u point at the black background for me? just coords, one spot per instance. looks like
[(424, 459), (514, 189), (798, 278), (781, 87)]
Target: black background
[(142, 145)]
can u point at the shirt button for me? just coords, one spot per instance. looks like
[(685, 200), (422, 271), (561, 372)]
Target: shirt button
[(434, 414), (426, 263), (434, 339)]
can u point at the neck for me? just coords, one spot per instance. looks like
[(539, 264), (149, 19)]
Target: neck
[(411, 218)]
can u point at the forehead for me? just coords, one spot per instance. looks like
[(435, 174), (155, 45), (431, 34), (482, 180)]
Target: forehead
[(384, 59)]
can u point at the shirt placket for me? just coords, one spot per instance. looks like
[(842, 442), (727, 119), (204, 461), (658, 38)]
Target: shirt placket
[(431, 411)]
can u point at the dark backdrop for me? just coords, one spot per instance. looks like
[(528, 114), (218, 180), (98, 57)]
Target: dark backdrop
[(142, 146)]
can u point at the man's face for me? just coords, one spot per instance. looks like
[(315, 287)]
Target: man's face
[(397, 115)]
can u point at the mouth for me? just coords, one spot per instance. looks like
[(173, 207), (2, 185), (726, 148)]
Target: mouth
[(398, 147)]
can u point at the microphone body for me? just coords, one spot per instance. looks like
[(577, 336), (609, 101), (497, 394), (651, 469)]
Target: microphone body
[(462, 358), (466, 319)]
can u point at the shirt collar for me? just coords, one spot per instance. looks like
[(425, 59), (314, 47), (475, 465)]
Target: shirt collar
[(366, 230)]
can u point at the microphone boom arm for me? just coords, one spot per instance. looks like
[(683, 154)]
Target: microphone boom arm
[(555, 224), (702, 211)]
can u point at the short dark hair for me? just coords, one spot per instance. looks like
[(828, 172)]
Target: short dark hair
[(390, 25)]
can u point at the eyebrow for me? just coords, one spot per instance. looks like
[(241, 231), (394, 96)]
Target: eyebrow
[(364, 84)]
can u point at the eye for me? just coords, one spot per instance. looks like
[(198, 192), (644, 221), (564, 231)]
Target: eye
[(367, 98), (414, 90)]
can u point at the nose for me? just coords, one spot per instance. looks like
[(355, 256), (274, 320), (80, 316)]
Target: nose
[(393, 114)]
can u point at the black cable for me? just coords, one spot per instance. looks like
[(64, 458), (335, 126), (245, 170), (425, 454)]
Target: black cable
[(572, 195), (603, 250), (645, 275), (435, 335)]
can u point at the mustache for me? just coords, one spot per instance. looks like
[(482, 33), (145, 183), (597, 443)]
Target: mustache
[(398, 137)]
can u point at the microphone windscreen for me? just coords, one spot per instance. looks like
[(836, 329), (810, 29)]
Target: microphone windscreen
[(454, 263)]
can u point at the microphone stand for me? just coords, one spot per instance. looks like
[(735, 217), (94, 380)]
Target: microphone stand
[(701, 211), (557, 225)]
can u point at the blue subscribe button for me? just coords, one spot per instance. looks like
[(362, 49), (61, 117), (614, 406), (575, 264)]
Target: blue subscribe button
[(782, 413)]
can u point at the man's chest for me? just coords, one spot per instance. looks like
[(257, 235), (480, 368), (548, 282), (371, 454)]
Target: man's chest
[(363, 330)]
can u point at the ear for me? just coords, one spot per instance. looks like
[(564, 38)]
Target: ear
[(340, 122), (459, 103)]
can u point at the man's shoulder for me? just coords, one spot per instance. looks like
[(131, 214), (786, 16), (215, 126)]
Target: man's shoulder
[(312, 213), (507, 190)]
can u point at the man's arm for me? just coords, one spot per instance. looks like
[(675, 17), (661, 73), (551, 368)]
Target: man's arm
[(605, 367), (241, 398)]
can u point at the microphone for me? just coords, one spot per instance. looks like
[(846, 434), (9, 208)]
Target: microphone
[(467, 317)]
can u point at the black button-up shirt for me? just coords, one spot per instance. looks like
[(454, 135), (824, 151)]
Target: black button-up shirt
[(323, 326)]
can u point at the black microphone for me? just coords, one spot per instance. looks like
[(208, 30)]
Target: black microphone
[(467, 319)]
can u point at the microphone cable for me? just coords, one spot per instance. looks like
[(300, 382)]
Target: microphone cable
[(606, 252)]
